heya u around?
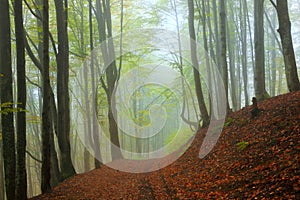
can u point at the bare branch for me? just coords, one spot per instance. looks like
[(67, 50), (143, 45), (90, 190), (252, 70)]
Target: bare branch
[(34, 158), (32, 12), (32, 56), (33, 83), (273, 3)]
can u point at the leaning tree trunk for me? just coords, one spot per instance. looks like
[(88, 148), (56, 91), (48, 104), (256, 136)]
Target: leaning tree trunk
[(6, 93), (287, 45), (200, 98)]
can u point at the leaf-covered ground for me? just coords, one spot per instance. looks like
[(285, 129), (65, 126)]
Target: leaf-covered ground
[(254, 159)]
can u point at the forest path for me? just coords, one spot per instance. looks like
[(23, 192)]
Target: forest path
[(254, 159)]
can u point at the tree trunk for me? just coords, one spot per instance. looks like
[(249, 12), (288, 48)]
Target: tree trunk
[(250, 33), (223, 55), (6, 93), (108, 52), (94, 96), (287, 46), (29, 178), (46, 115), (21, 183), (200, 98), (87, 123), (273, 61), (243, 19), (216, 28), (63, 101), (259, 73), (2, 187), (231, 53)]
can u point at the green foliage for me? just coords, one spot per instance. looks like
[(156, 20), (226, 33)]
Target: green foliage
[(142, 118), (9, 107), (34, 119), (242, 145), (228, 122)]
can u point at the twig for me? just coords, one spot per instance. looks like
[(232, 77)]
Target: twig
[(34, 158)]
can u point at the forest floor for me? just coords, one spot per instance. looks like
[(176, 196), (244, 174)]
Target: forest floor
[(254, 159)]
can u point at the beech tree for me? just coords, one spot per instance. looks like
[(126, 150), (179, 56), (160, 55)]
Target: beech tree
[(287, 45), (259, 72), (46, 116), (107, 48), (21, 182), (6, 93), (198, 86), (63, 99)]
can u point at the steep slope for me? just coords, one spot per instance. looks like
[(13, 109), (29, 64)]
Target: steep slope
[(255, 158)]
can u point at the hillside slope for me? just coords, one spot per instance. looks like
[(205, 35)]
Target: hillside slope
[(254, 159)]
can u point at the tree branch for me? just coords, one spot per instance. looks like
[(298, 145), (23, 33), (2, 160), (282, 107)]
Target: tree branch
[(272, 2), (53, 44), (32, 56), (34, 158), (273, 31), (33, 83), (32, 12)]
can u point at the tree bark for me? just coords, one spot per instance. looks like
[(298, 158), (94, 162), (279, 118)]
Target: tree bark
[(6, 93), (223, 50), (46, 115), (259, 72), (243, 19), (200, 98), (21, 183), (63, 101), (2, 187), (287, 46), (95, 134), (108, 52), (231, 53)]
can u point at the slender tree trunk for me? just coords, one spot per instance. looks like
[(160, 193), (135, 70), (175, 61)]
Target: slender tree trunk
[(46, 115), (211, 33), (88, 119), (6, 93), (200, 98), (238, 76), (29, 178), (216, 28), (243, 19), (94, 95), (108, 52), (259, 73), (2, 187), (54, 171), (230, 36), (223, 55), (250, 34), (273, 61), (21, 183), (202, 13), (63, 101), (111, 76), (287, 46)]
